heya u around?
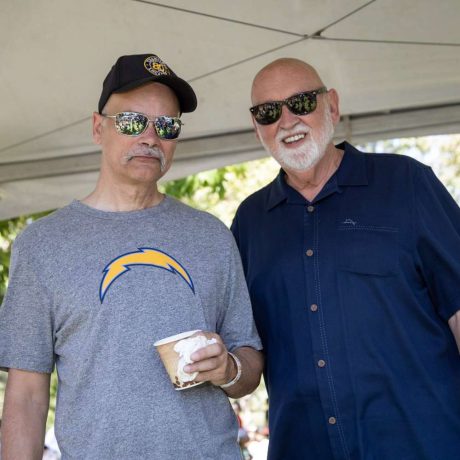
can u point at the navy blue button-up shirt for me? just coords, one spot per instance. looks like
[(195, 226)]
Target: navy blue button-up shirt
[(351, 296)]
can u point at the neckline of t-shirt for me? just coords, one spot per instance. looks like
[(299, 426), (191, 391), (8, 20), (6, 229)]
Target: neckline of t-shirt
[(121, 215)]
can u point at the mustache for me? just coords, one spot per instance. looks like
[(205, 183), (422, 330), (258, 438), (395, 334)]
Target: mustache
[(145, 151)]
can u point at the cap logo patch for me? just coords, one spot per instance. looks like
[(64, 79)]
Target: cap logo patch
[(156, 66)]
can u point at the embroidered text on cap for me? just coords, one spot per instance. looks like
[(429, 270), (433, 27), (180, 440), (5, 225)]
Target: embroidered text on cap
[(156, 66)]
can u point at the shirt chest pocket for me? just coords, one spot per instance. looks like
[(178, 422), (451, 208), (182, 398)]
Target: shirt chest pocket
[(368, 250)]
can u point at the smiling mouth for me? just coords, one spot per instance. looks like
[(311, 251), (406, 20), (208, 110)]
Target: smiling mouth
[(294, 138)]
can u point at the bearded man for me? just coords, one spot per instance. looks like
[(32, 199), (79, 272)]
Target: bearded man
[(352, 265)]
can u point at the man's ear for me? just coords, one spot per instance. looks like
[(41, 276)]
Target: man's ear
[(334, 105), (97, 128)]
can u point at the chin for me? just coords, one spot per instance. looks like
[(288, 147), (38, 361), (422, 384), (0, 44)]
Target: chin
[(301, 161)]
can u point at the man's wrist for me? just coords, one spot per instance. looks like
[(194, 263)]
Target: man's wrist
[(237, 377)]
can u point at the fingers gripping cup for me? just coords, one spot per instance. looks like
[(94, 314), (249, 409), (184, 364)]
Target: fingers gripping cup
[(175, 353)]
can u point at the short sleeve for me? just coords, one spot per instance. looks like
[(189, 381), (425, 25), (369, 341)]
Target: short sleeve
[(26, 332), (438, 241), (236, 324), (235, 228)]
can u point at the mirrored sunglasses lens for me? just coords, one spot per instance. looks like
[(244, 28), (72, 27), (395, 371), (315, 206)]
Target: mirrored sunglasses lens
[(168, 127), (131, 124), (301, 104), (268, 113)]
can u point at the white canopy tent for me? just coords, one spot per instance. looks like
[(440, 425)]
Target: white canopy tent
[(395, 63)]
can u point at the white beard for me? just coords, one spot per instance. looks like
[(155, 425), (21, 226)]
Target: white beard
[(311, 150)]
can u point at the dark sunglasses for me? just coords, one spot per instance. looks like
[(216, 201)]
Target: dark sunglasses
[(299, 104), (135, 123)]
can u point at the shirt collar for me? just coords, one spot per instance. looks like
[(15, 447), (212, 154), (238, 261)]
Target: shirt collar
[(352, 171)]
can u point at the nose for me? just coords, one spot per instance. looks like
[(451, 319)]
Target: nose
[(149, 136), (287, 119)]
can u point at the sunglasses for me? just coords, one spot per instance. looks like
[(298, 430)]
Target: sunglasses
[(299, 104), (135, 123)]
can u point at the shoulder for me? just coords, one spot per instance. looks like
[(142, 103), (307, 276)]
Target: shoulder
[(35, 236), (393, 160), (388, 168), (187, 218), (200, 230)]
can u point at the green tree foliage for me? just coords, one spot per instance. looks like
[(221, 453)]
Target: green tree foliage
[(449, 169), (204, 190), (9, 229), (53, 395), (214, 181), (221, 190)]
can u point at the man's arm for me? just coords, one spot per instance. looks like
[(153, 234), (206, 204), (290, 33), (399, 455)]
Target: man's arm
[(454, 323), (214, 364), (24, 415), (252, 364)]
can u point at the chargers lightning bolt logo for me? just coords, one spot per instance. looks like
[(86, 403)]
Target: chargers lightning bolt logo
[(144, 256)]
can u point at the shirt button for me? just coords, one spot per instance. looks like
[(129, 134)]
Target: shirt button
[(309, 252), (314, 307), (321, 363), (332, 420), (310, 208)]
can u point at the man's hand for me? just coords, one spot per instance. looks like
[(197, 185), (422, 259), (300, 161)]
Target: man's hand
[(214, 364)]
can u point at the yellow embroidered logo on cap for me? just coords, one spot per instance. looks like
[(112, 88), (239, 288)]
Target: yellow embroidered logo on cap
[(156, 66)]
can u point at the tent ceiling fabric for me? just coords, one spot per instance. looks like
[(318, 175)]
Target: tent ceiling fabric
[(394, 62)]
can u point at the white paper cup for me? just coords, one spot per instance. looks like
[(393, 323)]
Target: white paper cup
[(176, 357)]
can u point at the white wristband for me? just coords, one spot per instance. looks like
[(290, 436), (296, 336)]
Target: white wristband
[(238, 372)]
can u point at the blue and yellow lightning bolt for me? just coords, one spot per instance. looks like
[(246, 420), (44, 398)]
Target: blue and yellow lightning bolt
[(144, 256)]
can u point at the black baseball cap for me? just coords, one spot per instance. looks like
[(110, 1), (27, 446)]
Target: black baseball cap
[(134, 70)]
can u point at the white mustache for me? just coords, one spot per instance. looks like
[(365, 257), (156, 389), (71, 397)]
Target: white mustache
[(153, 152)]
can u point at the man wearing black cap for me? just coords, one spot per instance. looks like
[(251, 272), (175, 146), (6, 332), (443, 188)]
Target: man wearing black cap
[(94, 285)]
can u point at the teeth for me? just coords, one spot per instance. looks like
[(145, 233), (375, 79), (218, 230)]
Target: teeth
[(294, 138)]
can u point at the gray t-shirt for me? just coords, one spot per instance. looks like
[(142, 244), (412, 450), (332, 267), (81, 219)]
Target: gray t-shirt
[(91, 291)]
